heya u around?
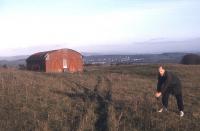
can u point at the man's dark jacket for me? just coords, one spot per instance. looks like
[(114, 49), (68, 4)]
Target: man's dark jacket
[(169, 83)]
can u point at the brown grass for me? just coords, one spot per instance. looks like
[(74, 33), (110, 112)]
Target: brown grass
[(117, 98)]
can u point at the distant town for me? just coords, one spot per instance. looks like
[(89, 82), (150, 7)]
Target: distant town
[(133, 59)]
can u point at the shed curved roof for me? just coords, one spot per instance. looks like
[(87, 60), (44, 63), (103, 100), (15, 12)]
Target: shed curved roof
[(40, 56)]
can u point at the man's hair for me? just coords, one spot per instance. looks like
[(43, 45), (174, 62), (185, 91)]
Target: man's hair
[(161, 66)]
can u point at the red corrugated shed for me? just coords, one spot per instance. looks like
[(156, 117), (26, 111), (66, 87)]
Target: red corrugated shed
[(56, 61)]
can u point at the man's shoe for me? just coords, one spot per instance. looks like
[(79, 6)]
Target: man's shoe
[(162, 109), (181, 113)]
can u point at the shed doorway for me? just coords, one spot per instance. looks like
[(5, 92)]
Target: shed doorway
[(65, 67)]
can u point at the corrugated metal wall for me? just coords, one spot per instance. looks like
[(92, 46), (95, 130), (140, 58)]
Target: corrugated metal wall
[(54, 61), (62, 60)]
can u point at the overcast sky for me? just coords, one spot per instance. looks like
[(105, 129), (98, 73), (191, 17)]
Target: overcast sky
[(84, 24)]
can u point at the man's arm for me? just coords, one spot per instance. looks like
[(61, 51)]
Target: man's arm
[(159, 84)]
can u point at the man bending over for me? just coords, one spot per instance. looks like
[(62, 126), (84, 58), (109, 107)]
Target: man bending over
[(169, 84)]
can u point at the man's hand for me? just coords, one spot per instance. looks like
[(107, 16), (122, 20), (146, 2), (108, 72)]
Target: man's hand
[(158, 94)]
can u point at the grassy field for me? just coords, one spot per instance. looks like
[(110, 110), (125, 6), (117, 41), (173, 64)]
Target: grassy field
[(115, 98)]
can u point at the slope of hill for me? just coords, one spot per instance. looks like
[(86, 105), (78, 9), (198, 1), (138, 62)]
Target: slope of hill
[(13, 58), (14, 63), (102, 98)]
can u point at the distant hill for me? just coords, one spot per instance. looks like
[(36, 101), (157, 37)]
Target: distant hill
[(97, 58)]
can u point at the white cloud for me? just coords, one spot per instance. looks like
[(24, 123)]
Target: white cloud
[(21, 30), (27, 29)]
